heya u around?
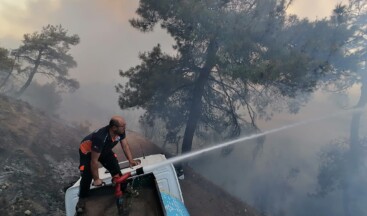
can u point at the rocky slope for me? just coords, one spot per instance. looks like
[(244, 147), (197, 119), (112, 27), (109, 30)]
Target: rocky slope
[(39, 158)]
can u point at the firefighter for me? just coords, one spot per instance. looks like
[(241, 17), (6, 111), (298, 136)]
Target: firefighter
[(95, 149)]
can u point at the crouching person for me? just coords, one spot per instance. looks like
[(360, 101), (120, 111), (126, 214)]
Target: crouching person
[(97, 148)]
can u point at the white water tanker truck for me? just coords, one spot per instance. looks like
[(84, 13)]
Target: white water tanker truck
[(146, 189)]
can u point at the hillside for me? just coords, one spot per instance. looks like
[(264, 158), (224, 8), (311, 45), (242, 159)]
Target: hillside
[(39, 157)]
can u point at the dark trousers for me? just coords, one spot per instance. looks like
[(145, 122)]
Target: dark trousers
[(107, 159)]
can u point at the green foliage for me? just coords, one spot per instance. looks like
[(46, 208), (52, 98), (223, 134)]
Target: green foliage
[(46, 53), (332, 167), (354, 16), (166, 88), (236, 61), (342, 168), (6, 62), (6, 66)]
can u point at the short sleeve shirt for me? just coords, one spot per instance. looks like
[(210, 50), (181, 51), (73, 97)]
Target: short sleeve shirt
[(102, 141)]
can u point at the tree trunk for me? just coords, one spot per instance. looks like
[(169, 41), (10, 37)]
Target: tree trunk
[(6, 79), (353, 155), (8, 76), (195, 109), (30, 78)]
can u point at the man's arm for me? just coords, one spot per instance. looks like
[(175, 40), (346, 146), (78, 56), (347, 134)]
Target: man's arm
[(94, 168), (125, 146)]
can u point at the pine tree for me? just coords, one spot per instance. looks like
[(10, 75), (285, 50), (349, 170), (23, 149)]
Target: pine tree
[(46, 53), (235, 60)]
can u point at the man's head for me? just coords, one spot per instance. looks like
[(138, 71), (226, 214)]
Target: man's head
[(117, 125)]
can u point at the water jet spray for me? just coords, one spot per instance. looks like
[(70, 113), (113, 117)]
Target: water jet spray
[(250, 137)]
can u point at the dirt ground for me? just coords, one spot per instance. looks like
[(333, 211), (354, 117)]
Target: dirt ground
[(200, 195)]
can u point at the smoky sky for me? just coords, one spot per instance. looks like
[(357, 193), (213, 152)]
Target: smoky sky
[(283, 176), (108, 42)]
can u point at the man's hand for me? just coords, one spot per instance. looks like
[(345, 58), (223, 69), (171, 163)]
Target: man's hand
[(98, 182), (134, 163)]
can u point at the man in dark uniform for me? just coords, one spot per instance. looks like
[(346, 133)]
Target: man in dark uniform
[(97, 148)]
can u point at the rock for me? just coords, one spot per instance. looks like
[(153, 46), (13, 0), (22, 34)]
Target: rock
[(27, 212)]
